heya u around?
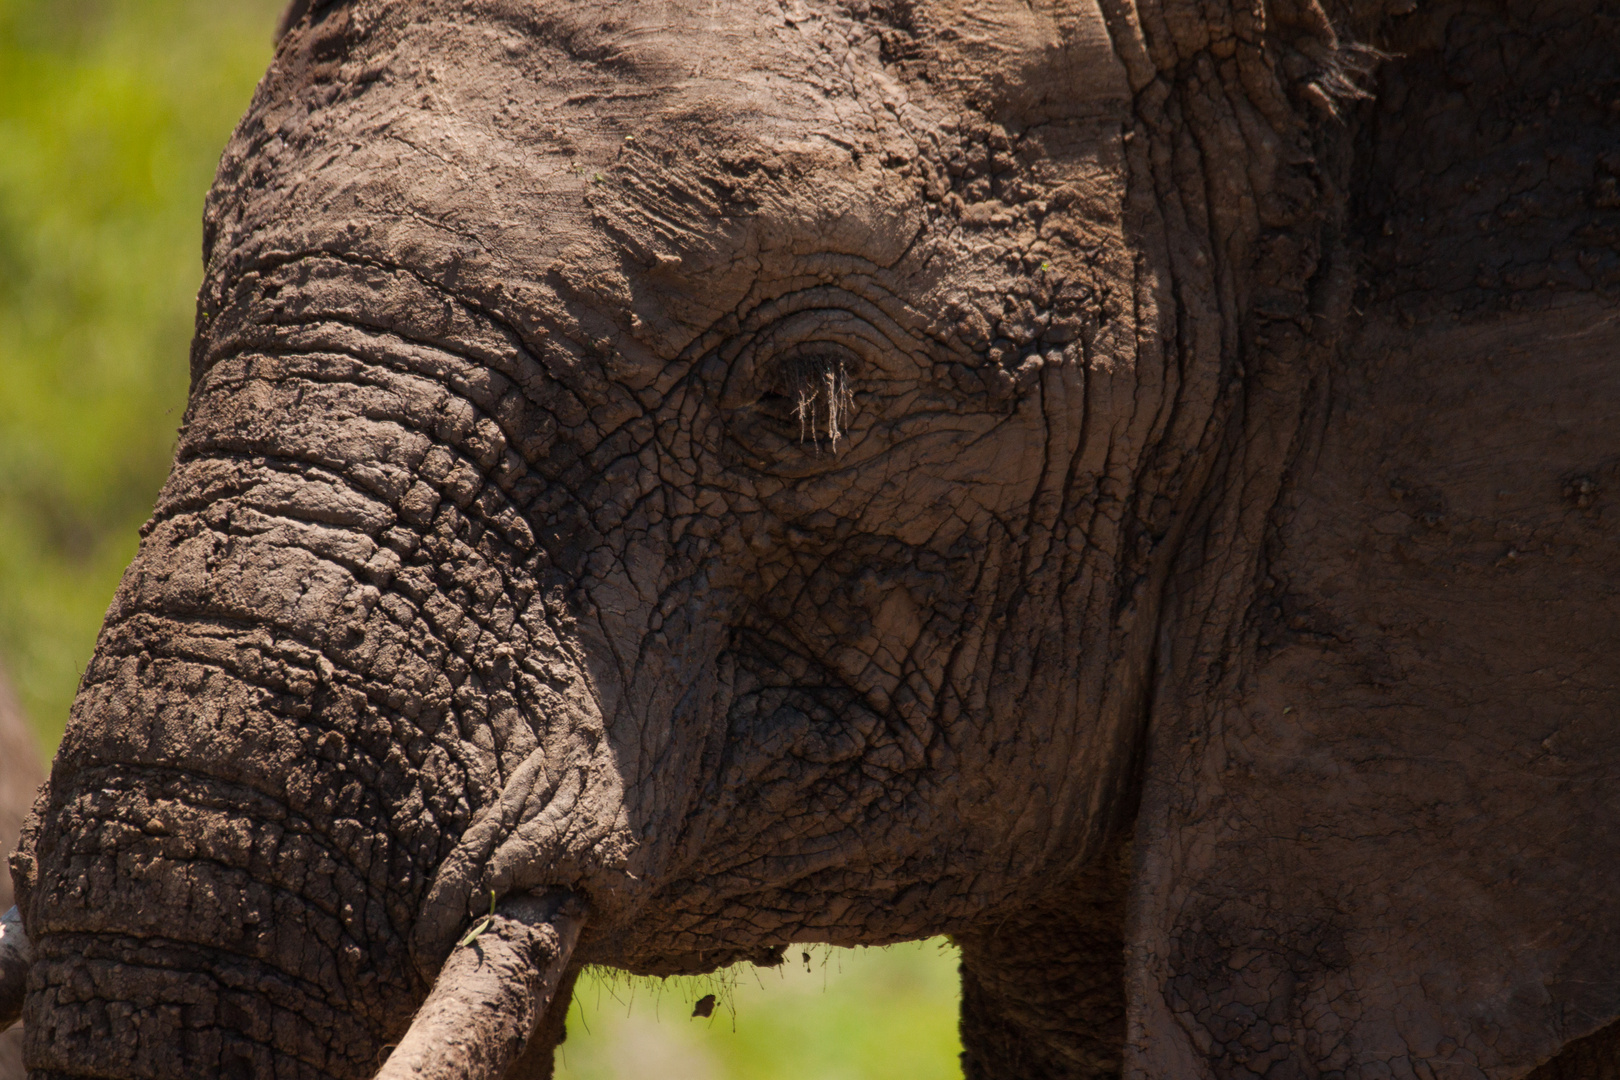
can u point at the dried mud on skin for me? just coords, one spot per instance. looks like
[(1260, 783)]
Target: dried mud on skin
[(803, 475)]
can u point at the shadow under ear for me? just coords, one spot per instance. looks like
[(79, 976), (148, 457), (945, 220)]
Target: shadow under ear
[(1309, 894), (1596, 1057), (1382, 843)]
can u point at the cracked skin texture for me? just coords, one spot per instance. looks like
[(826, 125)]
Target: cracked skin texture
[(1154, 621)]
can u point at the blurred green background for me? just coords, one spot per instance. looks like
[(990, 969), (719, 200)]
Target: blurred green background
[(112, 116)]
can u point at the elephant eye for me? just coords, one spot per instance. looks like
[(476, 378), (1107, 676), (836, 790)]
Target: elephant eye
[(809, 397)]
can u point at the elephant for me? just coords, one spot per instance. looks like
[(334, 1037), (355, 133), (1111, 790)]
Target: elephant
[(1127, 484)]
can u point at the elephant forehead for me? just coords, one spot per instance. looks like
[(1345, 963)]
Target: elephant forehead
[(697, 139), (710, 133), (633, 176), (1035, 59)]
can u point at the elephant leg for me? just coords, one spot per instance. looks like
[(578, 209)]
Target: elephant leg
[(1043, 990)]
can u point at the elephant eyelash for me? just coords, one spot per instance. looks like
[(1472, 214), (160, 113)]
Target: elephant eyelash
[(816, 393)]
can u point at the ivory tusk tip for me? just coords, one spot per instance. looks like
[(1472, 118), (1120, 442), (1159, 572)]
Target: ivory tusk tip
[(492, 993)]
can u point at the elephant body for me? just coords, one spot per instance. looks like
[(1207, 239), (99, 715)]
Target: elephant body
[(1122, 484)]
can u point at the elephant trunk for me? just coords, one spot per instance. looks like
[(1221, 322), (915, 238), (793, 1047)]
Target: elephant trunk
[(327, 660), (204, 941)]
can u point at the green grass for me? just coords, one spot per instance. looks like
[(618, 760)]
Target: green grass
[(112, 117), (849, 1014)]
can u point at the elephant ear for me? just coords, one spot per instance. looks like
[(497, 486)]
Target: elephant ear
[(1312, 888), (1379, 833)]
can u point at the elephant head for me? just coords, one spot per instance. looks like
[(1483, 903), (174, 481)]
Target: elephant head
[(666, 480)]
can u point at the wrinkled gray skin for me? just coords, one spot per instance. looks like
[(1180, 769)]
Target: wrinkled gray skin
[(1106, 481)]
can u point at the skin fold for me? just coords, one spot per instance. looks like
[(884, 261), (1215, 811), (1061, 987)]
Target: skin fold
[(1120, 484)]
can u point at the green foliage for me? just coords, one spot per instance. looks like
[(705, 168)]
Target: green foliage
[(850, 1014), (112, 117)]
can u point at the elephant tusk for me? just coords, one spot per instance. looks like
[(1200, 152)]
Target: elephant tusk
[(16, 955), (492, 992)]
